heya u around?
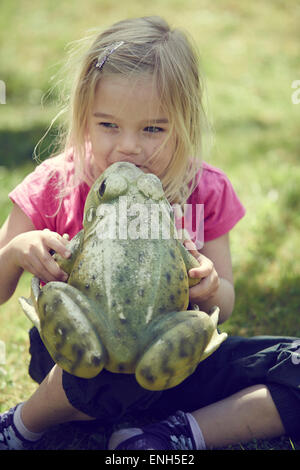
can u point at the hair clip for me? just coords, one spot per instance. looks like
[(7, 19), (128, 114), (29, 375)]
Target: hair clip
[(108, 51)]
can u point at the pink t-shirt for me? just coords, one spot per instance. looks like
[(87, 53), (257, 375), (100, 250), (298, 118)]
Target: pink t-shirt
[(37, 196)]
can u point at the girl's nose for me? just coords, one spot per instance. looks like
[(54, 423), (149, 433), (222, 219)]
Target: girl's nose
[(128, 144)]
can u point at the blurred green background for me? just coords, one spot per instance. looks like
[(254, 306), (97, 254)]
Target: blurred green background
[(250, 59)]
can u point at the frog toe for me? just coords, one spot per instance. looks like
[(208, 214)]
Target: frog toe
[(29, 305)]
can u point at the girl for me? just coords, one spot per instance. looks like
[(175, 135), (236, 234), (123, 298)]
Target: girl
[(138, 98)]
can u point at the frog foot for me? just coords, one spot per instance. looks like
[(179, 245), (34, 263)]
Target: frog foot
[(67, 330), (189, 338), (29, 305)]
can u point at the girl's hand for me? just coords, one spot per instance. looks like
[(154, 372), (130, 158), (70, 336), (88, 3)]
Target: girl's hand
[(31, 251), (210, 280)]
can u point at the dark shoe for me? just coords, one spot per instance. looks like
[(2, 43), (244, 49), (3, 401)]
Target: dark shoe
[(174, 433)]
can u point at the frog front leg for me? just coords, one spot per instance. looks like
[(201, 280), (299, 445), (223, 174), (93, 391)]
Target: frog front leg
[(190, 262), (68, 330), (29, 305), (74, 246), (178, 342)]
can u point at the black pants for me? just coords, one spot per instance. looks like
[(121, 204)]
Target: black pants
[(237, 364)]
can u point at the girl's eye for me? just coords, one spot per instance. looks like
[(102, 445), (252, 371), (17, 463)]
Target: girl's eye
[(153, 129), (108, 125)]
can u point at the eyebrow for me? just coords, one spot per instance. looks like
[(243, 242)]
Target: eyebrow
[(109, 116)]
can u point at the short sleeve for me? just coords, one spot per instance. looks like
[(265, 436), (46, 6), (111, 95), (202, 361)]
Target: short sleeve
[(222, 207), (38, 196)]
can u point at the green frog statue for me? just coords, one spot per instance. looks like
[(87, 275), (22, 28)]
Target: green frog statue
[(124, 306)]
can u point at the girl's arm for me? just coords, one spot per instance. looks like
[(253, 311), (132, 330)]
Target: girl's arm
[(22, 247), (216, 286)]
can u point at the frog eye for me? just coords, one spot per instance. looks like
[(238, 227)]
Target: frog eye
[(150, 185), (102, 187), (111, 187)]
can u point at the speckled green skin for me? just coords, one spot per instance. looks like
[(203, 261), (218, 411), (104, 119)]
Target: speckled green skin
[(124, 306)]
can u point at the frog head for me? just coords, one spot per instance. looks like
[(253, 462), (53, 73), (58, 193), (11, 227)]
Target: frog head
[(121, 179)]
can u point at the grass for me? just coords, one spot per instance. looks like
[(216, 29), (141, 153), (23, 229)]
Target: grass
[(250, 56)]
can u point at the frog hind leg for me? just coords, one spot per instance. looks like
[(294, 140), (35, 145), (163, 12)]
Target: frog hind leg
[(67, 330), (180, 340)]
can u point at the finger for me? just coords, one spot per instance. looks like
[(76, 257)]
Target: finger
[(200, 272), (52, 270), (35, 267), (206, 288), (45, 268), (205, 268), (191, 247), (56, 243)]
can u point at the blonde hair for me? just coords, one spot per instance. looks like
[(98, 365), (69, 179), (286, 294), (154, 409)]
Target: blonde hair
[(151, 47)]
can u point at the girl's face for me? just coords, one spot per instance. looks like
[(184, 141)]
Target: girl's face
[(128, 124)]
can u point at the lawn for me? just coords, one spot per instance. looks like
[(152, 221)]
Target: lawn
[(250, 59)]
